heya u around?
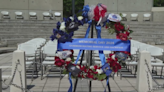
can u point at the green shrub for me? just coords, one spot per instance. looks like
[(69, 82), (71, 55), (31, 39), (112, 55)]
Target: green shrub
[(67, 7), (158, 3)]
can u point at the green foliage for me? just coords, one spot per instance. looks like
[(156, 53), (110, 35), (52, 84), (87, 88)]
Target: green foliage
[(65, 71), (111, 30), (67, 7), (101, 76), (72, 58), (158, 3), (121, 15), (131, 31)]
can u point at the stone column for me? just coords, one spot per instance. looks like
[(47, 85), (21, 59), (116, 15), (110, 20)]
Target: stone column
[(0, 80), (18, 57), (142, 79)]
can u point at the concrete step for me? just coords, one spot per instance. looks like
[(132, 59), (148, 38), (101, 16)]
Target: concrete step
[(19, 31), (48, 34), (39, 32), (29, 21), (54, 22), (30, 29), (143, 23), (25, 32), (146, 26), (14, 41), (33, 25)]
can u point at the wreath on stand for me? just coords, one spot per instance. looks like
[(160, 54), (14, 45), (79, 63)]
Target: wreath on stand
[(64, 32)]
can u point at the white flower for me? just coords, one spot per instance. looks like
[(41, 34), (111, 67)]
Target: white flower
[(71, 18), (100, 64), (128, 27), (62, 27), (63, 24), (78, 67), (80, 17), (113, 57), (68, 59), (100, 71), (91, 67)]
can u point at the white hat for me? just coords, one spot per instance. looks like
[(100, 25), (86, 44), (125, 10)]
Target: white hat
[(114, 17)]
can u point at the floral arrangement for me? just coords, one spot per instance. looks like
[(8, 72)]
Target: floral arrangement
[(65, 30)]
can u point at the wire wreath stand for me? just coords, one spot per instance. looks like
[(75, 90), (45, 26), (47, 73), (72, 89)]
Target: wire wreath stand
[(90, 62)]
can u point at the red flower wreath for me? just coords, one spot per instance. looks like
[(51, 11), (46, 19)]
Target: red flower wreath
[(59, 62), (96, 72), (119, 27)]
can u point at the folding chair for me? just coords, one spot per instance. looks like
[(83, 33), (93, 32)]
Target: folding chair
[(146, 17), (30, 51), (5, 15), (134, 17), (32, 15), (18, 15), (48, 55)]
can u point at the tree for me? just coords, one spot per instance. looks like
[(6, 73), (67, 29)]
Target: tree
[(67, 7), (158, 3)]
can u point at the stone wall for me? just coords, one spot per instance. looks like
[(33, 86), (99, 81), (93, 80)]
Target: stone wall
[(25, 6), (158, 14), (126, 6)]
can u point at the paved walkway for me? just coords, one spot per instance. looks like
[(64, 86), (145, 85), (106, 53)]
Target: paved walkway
[(51, 84)]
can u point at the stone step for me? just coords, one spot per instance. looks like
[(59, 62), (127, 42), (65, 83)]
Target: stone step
[(146, 27), (48, 34), (27, 32), (146, 36), (20, 31), (80, 31), (54, 26), (14, 42), (26, 35), (49, 31), (29, 21), (39, 32), (54, 21), (15, 39), (26, 24), (143, 23), (49, 23), (33, 27)]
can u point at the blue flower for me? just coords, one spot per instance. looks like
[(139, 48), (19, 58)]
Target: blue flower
[(86, 8), (85, 13), (66, 38), (52, 37), (61, 36), (58, 25), (75, 18)]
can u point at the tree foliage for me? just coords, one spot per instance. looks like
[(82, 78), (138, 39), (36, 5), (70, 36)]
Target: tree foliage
[(67, 7), (158, 3)]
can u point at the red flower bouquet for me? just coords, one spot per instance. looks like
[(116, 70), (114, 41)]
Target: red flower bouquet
[(119, 27), (59, 62)]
